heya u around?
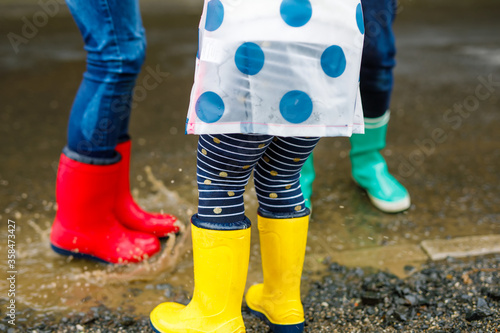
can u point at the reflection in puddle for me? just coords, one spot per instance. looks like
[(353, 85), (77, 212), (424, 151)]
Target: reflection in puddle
[(55, 284)]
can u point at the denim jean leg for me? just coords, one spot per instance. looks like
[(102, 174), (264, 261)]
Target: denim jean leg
[(115, 42), (379, 51)]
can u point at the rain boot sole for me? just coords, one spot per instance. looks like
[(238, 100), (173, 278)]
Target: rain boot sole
[(78, 255), (275, 328), (153, 327), (391, 207), (158, 331)]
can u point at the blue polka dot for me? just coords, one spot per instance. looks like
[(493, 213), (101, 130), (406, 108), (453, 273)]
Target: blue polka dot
[(296, 106), (199, 39), (215, 15), (209, 107), (359, 19), (296, 13), (333, 61), (249, 58)]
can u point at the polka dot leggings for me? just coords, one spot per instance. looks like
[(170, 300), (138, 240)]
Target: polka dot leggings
[(225, 163)]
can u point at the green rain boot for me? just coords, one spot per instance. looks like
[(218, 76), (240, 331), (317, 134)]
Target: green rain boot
[(369, 168), (307, 176)]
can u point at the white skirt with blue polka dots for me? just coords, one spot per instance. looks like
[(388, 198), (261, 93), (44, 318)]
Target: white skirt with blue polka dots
[(278, 67)]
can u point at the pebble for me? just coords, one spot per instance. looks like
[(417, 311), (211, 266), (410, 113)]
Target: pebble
[(434, 298), (371, 298)]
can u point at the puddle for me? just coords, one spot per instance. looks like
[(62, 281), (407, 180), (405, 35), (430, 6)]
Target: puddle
[(455, 189)]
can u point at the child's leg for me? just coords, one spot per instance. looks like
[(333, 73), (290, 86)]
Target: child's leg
[(90, 171), (369, 168), (283, 223), (277, 175), (221, 238), (115, 42), (225, 163)]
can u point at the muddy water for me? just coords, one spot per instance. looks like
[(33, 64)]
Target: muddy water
[(454, 181)]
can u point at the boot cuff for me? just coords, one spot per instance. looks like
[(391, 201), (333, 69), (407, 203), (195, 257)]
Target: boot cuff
[(240, 225), (90, 160), (283, 215)]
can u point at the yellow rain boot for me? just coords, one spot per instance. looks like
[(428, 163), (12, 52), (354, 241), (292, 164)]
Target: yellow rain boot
[(277, 300), (220, 272)]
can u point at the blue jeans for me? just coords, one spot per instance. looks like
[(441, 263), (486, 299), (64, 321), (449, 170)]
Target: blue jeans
[(115, 43), (379, 53)]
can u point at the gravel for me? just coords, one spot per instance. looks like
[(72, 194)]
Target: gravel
[(448, 296)]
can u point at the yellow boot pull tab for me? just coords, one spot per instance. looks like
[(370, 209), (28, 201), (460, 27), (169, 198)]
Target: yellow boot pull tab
[(220, 273)]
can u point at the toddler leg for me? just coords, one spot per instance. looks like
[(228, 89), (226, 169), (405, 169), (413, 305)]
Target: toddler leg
[(369, 168), (221, 238), (277, 176), (90, 171), (115, 43), (225, 163), (283, 222)]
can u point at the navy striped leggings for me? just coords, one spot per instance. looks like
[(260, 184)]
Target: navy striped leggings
[(225, 163)]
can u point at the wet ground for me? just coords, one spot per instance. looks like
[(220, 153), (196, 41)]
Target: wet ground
[(441, 297), (449, 55)]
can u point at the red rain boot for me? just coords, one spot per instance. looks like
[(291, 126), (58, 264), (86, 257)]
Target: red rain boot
[(128, 211), (85, 225)]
